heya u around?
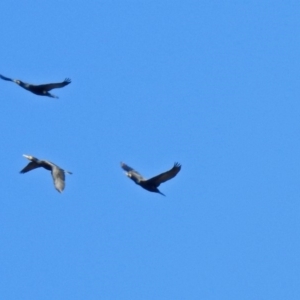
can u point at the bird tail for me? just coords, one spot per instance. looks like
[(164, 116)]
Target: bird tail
[(161, 192)]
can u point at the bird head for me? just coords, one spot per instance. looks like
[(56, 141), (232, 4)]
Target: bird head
[(28, 156), (127, 174)]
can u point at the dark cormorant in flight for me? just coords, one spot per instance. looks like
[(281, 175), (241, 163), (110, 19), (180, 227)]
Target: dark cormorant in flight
[(153, 183), (57, 173), (42, 89)]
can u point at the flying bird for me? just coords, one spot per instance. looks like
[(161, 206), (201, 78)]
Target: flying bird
[(57, 173), (42, 89), (153, 183)]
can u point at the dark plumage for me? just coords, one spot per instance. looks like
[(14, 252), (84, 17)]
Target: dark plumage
[(42, 89), (153, 183), (57, 173)]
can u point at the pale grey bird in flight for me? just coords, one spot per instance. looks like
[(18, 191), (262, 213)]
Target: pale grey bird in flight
[(57, 173)]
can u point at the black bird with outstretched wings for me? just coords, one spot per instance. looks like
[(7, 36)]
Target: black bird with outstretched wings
[(42, 89), (153, 183)]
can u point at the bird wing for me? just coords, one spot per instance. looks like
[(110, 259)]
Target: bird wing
[(58, 176), (157, 180), (128, 169), (136, 176), (50, 86), (5, 78), (32, 165)]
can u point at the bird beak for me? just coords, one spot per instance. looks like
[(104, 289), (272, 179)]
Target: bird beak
[(128, 175), (27, 156)]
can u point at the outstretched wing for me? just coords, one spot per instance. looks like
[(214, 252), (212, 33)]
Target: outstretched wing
[(58, 176), (32, 165), (134, 174), (6, 78), (128, 169), (157, 180), (50, 86)]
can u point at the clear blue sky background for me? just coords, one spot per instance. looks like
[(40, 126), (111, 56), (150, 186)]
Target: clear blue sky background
[(212, 85)]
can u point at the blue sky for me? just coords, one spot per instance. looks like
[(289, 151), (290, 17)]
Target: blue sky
[(212, 85)]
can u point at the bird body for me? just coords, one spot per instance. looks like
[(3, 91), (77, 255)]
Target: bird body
[(42, 89), (57, 173), (153, 183)]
